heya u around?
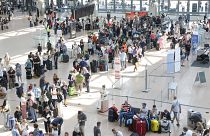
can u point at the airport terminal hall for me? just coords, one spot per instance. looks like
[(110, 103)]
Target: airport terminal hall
[(104, 67)]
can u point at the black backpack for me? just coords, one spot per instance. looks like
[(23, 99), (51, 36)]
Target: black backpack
[(19, 91), (59, 98)]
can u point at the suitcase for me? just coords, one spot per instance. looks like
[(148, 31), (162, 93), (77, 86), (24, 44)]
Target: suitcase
[(190, 123), (111, 117), (55, 112), (76, 134), (93, 67), (133, 126), (134, 134), (141, 127), (104, 105), (154, 125), (87, 27), (49, 65), (11, 122), (164, 126), (65, 58), (28, 75)]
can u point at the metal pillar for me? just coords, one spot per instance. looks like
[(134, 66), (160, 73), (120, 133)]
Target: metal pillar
[(146, 89)]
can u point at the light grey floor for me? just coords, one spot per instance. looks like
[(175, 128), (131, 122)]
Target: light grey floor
[(19, 41)]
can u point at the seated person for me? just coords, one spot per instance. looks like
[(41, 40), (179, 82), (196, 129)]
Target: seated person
[(144, 111), (199, 127), (166, 114), (125, 108), (154, 112)]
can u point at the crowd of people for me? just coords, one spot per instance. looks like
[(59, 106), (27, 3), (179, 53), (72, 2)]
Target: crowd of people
[(127, 39)]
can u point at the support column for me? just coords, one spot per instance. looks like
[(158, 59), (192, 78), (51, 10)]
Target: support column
[(140, 5)]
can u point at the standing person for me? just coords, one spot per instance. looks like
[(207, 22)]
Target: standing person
[(23, 104), (87, 79), (82, 45), (39, 49), (5, 108), (123, 57), (74, 48), (15, 130), (187, 49), (54, 95), (79, 80), (183, 56), (32, 109), (11, 75), (135, 58), (96, 129), (64, 89), (18, 72), (6, 60), (176, 109), (49, 47), (37, 93), (81, 120), (36, 61), (47, 115), (116, 132), (56, 55)]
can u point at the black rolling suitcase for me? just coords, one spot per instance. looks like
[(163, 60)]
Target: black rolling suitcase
[(28, 73), (93, 66), (65, 58), (87, 27), (49, 65)]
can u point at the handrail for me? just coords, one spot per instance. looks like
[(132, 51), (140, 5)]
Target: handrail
[(154, 100)]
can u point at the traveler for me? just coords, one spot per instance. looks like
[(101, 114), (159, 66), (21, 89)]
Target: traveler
[(57, 124), (18, 72), (176, 109), (116, 132), (96, 129), (81, 120)]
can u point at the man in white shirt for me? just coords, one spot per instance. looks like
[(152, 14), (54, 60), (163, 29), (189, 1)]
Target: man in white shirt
[(176, 109), (187, 132), (130, 53), (123, 57), (117, 133), (37, 93)]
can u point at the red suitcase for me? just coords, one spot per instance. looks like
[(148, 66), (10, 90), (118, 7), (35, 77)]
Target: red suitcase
[(141, 127), (133, 126)]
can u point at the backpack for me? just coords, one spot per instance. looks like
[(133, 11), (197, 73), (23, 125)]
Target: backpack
[(59, 98), (19, 91)]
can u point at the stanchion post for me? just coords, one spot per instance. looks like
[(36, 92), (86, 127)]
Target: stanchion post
[(146, 90)]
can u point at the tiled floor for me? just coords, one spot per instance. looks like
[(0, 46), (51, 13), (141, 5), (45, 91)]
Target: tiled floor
[(19, 42)]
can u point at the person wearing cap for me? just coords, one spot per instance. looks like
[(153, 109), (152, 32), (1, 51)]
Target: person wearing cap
[(81, 120)]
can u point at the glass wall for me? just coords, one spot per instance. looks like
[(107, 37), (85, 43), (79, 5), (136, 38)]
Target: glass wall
[(164, 6)]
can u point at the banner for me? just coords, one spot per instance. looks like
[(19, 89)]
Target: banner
[(117, 68), (170, 61), (177, 60), (194, 41), (132, 15)]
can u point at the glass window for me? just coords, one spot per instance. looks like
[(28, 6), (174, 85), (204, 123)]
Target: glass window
[(163, 5), (102, 4), (136, 5), (145, 5), (173, 6), (183, 6), (203, 6), (193, 6)]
